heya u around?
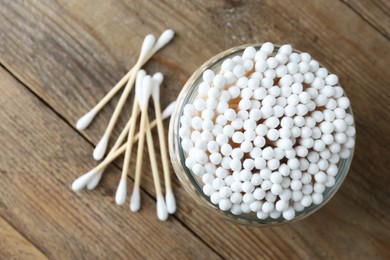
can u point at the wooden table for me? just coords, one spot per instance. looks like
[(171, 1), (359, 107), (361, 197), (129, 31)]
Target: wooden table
[(58, 58)]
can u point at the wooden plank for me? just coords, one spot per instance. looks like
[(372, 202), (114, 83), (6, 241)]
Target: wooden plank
[(89, 46), (14, 246), (40, 157), (377, 13)]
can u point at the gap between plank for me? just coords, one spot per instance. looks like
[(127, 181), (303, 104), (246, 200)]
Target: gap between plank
[(93, 145), (37, 247), (364, 19)]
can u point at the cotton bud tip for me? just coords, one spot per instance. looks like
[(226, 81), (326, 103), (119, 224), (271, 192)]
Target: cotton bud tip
[(95, 180), (169, 110), (158, 77), (162, 212), (85, 120), (100, 148), (171, 202), (120, 196), (138, 83), (82, 181), (147, 85), (147, 45), (156, 91), (144, 91), (135, 201), (140, 76), (164, 38)]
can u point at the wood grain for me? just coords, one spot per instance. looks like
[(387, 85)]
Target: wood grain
[(376, 13), (69, 53), (39, 155), (14, 246)]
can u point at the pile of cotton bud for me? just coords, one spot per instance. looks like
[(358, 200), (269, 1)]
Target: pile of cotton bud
[(267, 132)]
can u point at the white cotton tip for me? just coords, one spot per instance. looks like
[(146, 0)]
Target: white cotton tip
[(100, 148), (171, 202), (121, 191), (85, 120), (82, 181), (135, 201), (95, 180), (144, 95), (169, 110), (138, 81), (162, 212), (164, 38), (157, 79), (156, 92), (147, 45)]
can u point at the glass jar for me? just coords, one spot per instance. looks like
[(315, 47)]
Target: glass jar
[(193, 183)]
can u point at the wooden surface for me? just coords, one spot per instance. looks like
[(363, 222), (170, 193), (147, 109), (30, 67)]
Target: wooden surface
[(58, 58)]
